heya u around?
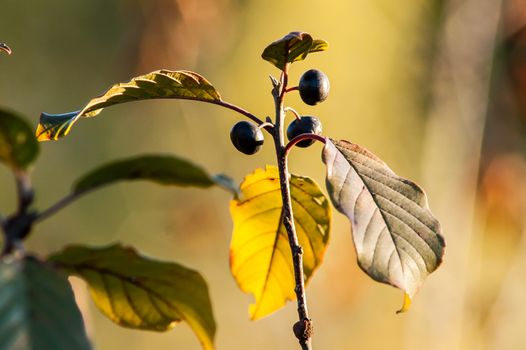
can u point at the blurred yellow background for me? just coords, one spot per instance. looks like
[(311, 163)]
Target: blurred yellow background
[(437, 89)]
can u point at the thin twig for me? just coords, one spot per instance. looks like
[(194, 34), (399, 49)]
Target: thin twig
[(18, 225), (24, 190), (284, 79), (302, 328)]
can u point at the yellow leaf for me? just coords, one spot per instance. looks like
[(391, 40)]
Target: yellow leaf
[(260, 256)]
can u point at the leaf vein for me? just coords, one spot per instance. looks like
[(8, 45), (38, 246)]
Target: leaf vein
[(397, 204)]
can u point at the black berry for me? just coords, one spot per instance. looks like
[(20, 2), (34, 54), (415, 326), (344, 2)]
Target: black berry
[(305, 125), (314, 87), (246, 137)]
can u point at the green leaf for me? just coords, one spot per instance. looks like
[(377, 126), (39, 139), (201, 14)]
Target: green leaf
[(397, 239), (38, 309), (141, 293), (159, 84), (260, 255), (164, 170), (18, 146), (294, 46)]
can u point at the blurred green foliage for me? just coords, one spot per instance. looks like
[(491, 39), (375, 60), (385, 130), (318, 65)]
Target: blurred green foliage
[(395, 88)]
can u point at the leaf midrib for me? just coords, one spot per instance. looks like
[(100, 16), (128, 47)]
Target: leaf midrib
[(375, 202), (130, 280)]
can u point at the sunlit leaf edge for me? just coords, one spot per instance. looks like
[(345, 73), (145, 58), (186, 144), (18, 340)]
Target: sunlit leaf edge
[(55, 126)]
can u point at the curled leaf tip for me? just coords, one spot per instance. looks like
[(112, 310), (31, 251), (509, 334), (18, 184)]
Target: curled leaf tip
[(406, 305), (5, 48), (54, 126)]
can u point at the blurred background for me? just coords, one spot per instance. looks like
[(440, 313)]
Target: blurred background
[(437, 89)]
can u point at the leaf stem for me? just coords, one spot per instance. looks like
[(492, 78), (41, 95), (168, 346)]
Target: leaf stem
[(62, 203), (241, 111), (292, 89), (302, 137), (220, 180), (296, 114), (302, 328), (266, 124)]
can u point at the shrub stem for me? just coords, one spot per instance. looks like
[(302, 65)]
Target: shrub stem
[(302, 328)]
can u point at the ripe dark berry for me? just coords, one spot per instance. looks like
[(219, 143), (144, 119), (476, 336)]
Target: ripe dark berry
[(246, 137), (314, 87), (305, 125)]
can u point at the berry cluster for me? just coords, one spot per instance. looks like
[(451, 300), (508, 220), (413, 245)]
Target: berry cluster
[(313, 87)]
